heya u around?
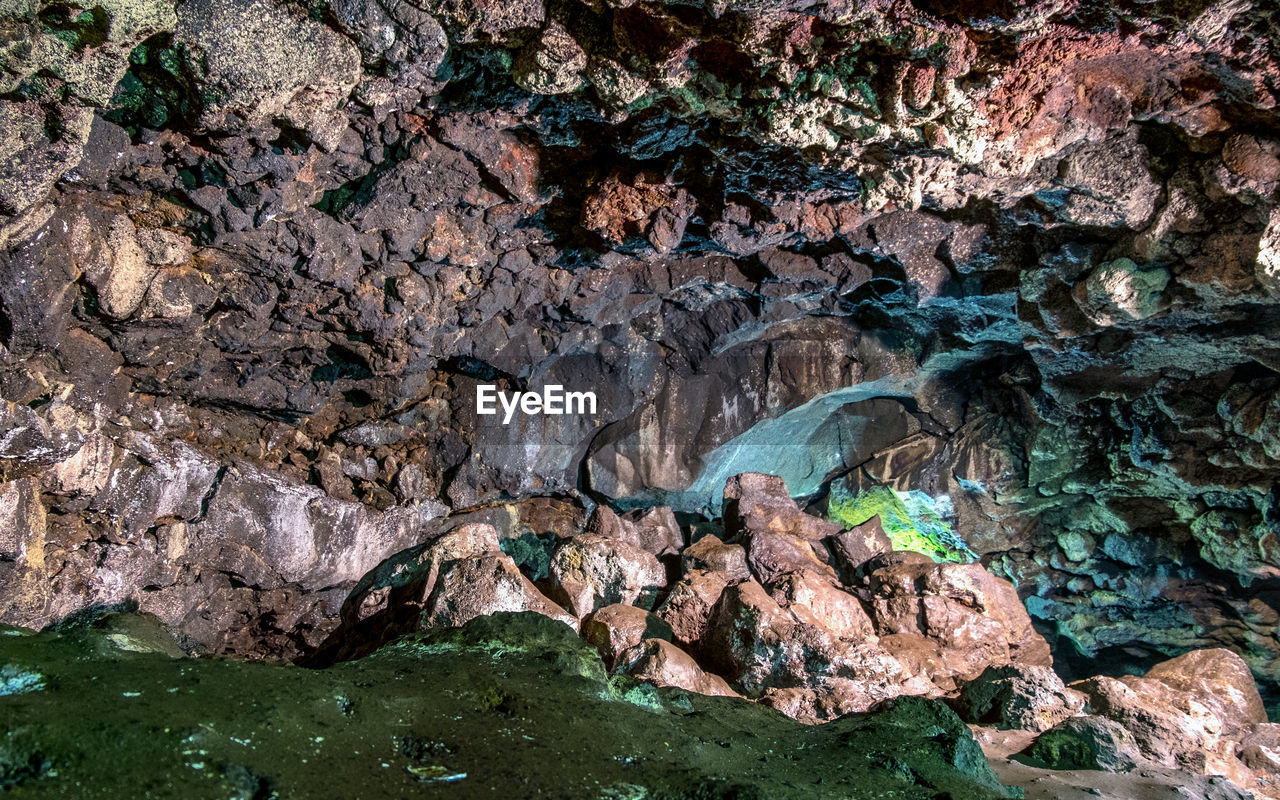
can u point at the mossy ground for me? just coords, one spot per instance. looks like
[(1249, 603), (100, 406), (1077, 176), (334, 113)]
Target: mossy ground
[(511, 706)]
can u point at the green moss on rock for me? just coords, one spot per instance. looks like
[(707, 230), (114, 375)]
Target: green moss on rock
[(912, 521)]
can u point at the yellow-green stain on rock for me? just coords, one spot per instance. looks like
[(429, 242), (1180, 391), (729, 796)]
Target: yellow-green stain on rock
[(911, 520)]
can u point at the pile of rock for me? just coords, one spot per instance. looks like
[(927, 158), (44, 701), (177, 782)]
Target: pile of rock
[(797, 613), (1199, 713), (783, 607)]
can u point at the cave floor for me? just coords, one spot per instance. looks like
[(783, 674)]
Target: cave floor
[(489, 710)]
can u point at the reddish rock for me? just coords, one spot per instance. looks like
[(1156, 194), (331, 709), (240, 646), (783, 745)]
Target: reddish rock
[(646, 206), (1193, 712), (619, 627), (815, 600), (476, 586), (690, 603), (514, 163), (976, 618), (466, 540), (662, 663), (921, 658), (1259, 749), (711, 554), (756, 503), (852, 548), (1220, 680), (762, 647), (653, 530), (589, 572), (770, 555), (759, 644)]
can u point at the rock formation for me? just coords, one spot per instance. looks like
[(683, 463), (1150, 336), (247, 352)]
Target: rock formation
[(929, 343)]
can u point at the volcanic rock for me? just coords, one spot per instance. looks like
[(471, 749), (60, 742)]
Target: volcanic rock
[(589, 572), (1029, 698), (619, 627), (663, 664)]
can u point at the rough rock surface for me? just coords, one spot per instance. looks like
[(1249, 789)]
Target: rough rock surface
[(1028, 698), (998, 280)]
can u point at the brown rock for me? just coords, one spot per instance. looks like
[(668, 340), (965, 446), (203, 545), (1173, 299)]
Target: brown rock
[(761, 647), (653, 530), (465, 541), (690, 603), (619, 627), (755, 503), (770, 555), (976, 618), (1220, 680), (759, 644), (589, 572), (853, 548), (476, 586), (921, 658), (1186, 713), (709, 553), (1180, 739), (815, 600), (662, 663), (646, 206), (1259, 749)]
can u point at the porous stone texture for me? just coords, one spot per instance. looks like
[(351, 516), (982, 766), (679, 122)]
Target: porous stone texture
[(991, 281)]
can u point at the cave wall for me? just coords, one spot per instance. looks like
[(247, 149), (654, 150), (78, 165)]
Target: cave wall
[(1020, 257)]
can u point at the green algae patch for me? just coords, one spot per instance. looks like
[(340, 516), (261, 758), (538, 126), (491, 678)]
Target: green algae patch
[(513, 705), (912, 520)]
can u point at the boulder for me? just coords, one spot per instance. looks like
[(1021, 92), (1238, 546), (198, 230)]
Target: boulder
[(814, 599), (1259, 749), (477, 586), (1087, 742), (1218, 679), (713, 555), (620, 627), (853, 548), (755, 503), (653, 530), (589, 572), (770, 555), (976, 618), (1183, 738), (660, 662), (1185, 713), (1020, 696), (689, 605), (763, 647)]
